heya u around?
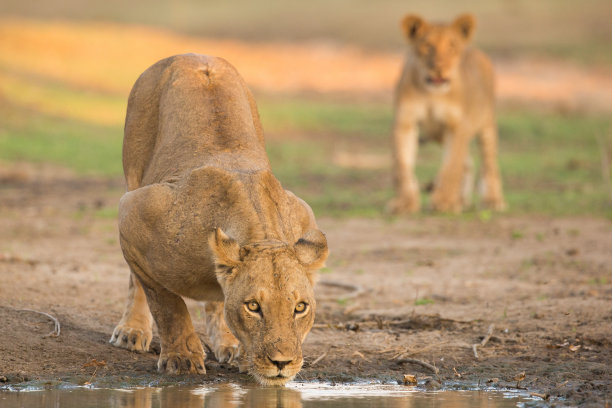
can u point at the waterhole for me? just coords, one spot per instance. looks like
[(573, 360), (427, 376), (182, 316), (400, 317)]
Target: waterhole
[(295, 395)]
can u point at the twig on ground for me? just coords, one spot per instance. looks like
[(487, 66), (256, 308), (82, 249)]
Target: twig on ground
[(419, 362), (321, 357), (405, 352), (96, 364), (457, 374), (484, 341), (488, 336), (545, 397), (355, 290), (56, 330)]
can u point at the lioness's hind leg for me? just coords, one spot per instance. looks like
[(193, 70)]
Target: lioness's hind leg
[(134, 331), (223, 343)]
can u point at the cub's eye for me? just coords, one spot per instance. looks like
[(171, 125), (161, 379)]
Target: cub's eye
[(300, 307), (253, 306)]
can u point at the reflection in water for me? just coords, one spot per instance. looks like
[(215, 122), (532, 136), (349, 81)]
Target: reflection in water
[(229, 396)]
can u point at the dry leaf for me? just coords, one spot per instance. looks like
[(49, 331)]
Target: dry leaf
[(575, 348), (410, 379), (95, 363)]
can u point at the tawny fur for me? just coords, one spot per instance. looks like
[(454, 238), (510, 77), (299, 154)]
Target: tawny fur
[(205, 218), (445, 93)]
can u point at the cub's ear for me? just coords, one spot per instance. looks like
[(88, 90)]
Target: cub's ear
[(227, 254), (413, 26), (465, 24), (311, 249)]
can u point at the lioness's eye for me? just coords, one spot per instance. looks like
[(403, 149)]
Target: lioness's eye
[(253, 306), (300, 307)]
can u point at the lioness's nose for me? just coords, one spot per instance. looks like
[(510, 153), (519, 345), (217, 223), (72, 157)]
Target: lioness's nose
[(280, 363)]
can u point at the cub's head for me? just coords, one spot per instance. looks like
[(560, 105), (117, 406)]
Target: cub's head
[(269, 299), (437, 49)]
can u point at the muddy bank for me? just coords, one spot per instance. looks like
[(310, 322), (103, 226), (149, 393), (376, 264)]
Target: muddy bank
[(539, 288)]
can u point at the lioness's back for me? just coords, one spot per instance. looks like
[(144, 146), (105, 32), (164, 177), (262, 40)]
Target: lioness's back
[(178, 118)]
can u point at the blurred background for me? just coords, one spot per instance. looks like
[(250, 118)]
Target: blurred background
[(323, 73)]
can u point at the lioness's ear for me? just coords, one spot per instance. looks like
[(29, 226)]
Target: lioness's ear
[(413, 26), (465, 24), (311, 249), (226, 252)]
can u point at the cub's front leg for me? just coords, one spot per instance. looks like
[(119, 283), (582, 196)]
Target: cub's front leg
[(491, 184), (447, 195), (406, 141)]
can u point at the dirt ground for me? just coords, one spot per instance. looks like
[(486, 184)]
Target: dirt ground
[(432, 287)]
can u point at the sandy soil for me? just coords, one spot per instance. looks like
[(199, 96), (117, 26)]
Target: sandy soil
[(433, 286)]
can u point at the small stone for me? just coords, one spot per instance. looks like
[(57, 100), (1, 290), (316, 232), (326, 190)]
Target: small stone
[(432, 384)]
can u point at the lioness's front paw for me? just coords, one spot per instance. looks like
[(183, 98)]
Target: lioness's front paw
[(185, 356), (131, 338), (180, 363)]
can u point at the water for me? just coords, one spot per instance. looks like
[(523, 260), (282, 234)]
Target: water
[(295, 395)]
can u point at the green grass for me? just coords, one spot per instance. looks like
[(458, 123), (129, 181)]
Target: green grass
[(357, 120), (550, 163), (423, 301), (83, 147)]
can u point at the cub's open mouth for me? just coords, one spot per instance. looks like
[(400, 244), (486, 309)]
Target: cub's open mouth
[(436, 80)]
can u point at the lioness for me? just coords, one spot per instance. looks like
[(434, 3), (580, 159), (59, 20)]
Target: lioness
[(205, 218), (446, 91)]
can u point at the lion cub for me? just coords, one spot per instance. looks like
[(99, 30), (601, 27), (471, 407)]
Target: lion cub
[(446, 92)]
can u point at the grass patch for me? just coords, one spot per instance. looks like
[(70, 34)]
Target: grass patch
[(84, 147), (550, 162), (423, 301), (360, 121), (107, 213)]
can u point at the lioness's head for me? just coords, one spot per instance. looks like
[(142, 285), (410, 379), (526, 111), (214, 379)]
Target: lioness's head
[(437, 48), (269, 299)]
